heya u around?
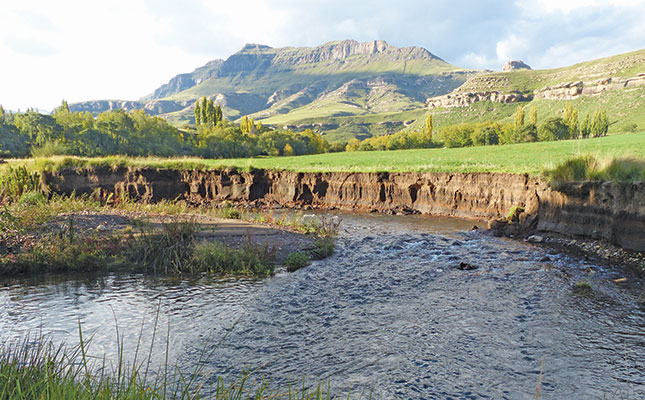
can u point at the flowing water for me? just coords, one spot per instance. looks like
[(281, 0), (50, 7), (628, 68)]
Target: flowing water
[(389, 313)]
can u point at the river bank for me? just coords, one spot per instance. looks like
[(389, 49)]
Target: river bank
[(518, 204)]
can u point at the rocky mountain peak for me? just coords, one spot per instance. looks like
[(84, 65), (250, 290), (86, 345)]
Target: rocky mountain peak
[(513, 65)]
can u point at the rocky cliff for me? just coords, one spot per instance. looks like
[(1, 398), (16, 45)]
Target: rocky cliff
[(463, 99), (612, 211), (572, 90)]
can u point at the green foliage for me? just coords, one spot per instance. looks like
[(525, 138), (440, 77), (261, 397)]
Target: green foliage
[(553, 129), (583, 288), (519, 117), (533, 118), (296, 260), (570, 119), (588, 167), (36, 368), (428, 128), (49, 149), (216, 258), (166, 251), (630, 127), (16, 181), (324, 247), (599, 124), (32, 198)]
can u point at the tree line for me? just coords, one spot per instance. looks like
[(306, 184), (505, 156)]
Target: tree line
[(521, 130), (139, 134)]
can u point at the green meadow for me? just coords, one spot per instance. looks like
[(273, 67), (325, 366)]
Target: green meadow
[(531, 158)]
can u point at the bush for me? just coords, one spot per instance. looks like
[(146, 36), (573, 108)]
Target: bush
[(296, 260), (31, 198), (629, 127), (219, 259), (17, 181), (553, 129)]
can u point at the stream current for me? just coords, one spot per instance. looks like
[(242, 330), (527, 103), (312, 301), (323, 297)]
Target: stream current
[(389, 313)]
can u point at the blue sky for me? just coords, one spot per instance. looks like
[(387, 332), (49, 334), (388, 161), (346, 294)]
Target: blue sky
[(123, 49)]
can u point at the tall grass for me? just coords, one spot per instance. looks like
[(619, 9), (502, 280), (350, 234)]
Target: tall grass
[(36, 368), (590, 168), (16, 181)]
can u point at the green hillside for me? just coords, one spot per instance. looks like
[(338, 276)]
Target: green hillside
[(347, 89)]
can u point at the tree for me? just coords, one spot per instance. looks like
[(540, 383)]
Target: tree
[(288, 150), (210, 113), (600, 124), (533, 116), (570, 119), (585, 128), (519, 117), (198, 113), (428, 130), (219, 116), (553, 129), (204, 111)]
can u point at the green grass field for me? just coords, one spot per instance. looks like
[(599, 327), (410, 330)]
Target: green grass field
[(530, 158)]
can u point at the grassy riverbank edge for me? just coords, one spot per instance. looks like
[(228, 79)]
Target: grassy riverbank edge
[(63, 234), (37, 368), (524, 158)]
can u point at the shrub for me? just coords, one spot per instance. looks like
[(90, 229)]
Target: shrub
[(296, 260), (17, 181), (31, 198), (553, 129), (217, 258)]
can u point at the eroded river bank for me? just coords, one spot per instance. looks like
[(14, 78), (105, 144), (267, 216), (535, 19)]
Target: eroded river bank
[(390, 311)]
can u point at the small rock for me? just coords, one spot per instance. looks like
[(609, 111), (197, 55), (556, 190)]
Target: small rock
[(545, 259), (535, 239), (102, 228), (466, 267)]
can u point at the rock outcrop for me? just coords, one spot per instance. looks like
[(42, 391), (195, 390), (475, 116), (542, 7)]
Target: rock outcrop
[(611, 211), (463, 99), (514, 65), (572, 90)]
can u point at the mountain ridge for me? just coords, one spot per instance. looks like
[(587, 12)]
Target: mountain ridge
[(355, 89)]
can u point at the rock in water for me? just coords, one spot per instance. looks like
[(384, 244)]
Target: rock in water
[(513, 65), (466, 267)]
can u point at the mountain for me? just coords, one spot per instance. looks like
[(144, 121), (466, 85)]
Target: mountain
[(349, 89), (338, 79)]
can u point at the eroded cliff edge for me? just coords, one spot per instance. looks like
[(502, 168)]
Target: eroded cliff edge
[(610, 210)]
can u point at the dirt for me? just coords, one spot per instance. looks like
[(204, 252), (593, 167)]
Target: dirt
[(610, 211)]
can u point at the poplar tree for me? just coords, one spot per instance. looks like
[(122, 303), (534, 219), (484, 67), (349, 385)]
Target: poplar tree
[(429, 127), (585, 128), (519, 117), (198, 113), (204, 109), (210, 113), (533, 116), (219, 116)]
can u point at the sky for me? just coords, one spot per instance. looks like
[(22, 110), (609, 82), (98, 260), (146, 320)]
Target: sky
[(81, 50)]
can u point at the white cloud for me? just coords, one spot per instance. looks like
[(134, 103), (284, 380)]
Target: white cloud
[(81, 50)]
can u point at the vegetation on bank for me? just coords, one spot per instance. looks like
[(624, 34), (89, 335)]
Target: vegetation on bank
[(531, 158), (41, 232), (138, 134), (36, 368)]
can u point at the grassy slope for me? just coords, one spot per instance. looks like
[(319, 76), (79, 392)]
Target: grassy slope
[(622, 65), (519, 158)]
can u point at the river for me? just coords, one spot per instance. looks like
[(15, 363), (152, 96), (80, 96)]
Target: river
[(389, 313)]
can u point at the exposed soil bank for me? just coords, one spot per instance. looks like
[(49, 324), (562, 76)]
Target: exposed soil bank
[(611, 211)]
